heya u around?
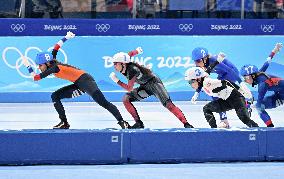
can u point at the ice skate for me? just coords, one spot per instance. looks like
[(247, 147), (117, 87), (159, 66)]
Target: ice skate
[(62, 125)]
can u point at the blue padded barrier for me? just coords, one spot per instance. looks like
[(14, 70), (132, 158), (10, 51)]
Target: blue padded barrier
[(197, 145), (60, 147), (109, 146), (275, 144)]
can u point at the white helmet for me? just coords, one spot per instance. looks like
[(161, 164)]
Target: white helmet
[(121, 57), (194, 73)]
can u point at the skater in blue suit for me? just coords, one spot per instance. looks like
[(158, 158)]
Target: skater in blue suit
[(266, 83), (225, 70)]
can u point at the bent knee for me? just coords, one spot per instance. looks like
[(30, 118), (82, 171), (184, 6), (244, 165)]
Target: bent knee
[(55, 97), (126, 99), (206, 108), (260, 107)]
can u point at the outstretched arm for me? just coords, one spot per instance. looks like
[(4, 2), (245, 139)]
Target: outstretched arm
[(37, 77), (59, 44), (220, 59), (276, 49)]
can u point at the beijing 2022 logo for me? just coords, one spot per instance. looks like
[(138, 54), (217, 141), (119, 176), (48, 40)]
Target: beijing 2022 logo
[(17, 63)]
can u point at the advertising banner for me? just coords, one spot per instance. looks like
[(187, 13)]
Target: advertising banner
[(133, 27), (167, 56), (167, 46)]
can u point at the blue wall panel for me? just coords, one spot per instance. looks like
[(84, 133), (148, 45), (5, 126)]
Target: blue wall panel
[(195, 145), (60, 147), (108, 146), (275, 144)]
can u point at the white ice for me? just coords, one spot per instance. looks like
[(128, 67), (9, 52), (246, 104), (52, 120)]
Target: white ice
[(90, 115), (252, 170)]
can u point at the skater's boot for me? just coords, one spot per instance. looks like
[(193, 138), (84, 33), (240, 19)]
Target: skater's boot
[(62, 125), (187, 125), (123, 124), (138, 125)]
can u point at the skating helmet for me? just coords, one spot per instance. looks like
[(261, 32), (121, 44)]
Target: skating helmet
[(43, 57), (121, 57), (248, 70), (194, 73), (198, 53)]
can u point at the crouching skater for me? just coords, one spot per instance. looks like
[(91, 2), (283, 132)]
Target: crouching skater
[(230, 96)]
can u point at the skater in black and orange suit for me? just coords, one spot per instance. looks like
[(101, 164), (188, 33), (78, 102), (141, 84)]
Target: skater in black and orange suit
[(82, 82)]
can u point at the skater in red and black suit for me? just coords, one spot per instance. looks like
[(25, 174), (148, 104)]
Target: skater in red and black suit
[(149, 83), (82, 82)]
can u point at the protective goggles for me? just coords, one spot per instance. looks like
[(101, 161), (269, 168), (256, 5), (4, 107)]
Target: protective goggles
[(200, 60), (247, 77), (191, 81)]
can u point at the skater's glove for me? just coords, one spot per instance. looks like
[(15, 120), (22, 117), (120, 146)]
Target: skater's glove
[(139, 50), (113, 77), (194, 98), (221, 57), (25, 61), (69, 35), (277, 47)]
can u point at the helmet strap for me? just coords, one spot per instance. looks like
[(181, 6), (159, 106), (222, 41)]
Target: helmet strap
[(205, 61), (47, 66), (200, 83), (123, 67)]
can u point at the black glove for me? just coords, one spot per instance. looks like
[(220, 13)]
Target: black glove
[(54, 53)]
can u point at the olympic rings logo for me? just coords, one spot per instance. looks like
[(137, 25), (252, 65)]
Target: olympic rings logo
[(19, 61), (267, 28), (18, 27), (102, 27), (185, 27)]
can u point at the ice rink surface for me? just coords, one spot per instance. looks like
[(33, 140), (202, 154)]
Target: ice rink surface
[(17, 116), (89, 115), (145, 171)]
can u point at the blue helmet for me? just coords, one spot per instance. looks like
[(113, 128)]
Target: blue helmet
[(248, 70), (43, 57), (198, 53)]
